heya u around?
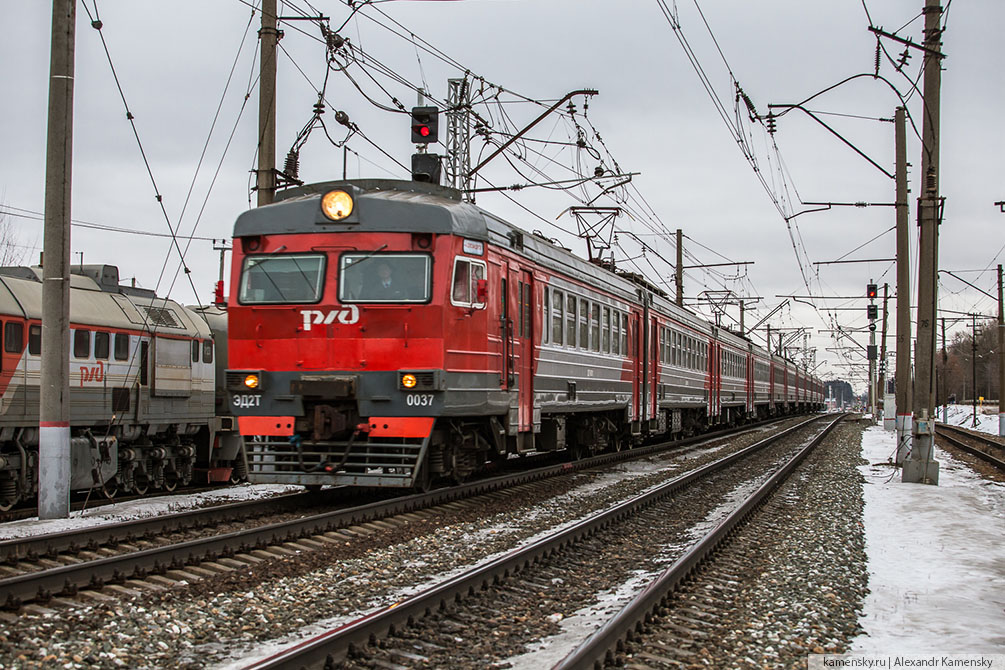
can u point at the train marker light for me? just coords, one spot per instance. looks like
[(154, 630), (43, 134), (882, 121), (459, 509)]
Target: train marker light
[(408, 381), (251, 381), (336, 205)]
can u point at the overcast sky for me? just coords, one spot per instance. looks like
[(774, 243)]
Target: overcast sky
[(652, 112)]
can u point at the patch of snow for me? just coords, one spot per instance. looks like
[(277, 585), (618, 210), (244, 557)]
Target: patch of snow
[(143, 508), (963, 416), (935, 557)]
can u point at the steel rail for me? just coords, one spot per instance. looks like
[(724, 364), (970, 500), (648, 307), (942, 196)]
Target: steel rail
[(943, 431), (42, 584), (50, 544), (600, 646), (333, 646)]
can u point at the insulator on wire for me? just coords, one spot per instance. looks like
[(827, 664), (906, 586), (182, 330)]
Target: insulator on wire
[(771, 123), (878, 56), (319, 107), (292, 166), (342, 118)]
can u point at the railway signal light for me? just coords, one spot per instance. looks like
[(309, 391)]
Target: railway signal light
[(870, 291), (872, 311), (424, 124), (426, 168)]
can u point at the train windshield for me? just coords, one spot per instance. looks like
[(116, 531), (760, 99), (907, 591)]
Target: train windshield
[(282, 278), (386, 278)]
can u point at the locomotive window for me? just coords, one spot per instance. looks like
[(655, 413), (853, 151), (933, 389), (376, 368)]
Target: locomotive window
[(595, 327), (282, 278), (207, 351), (101, 346), (195, 351), (81, 344), (13, 337), (557, 318), (464, 291), (121, 346), (34, 340), (385, 278), (570, 320), (584, 324)]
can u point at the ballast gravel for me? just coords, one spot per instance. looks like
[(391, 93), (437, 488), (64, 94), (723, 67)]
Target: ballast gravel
[(217, 619)]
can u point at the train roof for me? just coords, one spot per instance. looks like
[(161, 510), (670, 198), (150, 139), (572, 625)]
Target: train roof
[(381, 205), (97, 299)]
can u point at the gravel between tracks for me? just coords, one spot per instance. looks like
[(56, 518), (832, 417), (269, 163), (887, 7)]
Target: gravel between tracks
[(792, 583), (213, 620)]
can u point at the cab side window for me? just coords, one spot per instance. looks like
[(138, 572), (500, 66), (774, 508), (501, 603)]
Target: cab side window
[(13, 337)]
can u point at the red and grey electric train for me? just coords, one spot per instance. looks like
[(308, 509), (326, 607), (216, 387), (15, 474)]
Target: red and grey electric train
[(383, 333)]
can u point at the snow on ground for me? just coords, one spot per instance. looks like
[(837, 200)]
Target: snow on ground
[(963, 416), (143, 508), (936, 558)]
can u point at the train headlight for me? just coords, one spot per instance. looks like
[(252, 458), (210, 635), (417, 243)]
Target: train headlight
[(408, 381), (336, 205), (251, 381)]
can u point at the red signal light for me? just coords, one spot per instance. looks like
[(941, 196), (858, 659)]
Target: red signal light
[(424, 131)]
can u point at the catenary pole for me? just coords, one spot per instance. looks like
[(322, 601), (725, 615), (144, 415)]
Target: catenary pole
[(921, 467), (1001, 356), (266, 173), (903, 374), (679, 271), (54, 409), (881, 384)]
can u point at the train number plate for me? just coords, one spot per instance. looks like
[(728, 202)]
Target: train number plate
[(419, 399), (247, 400)]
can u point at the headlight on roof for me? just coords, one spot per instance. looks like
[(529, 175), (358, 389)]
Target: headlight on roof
[(336, 205)]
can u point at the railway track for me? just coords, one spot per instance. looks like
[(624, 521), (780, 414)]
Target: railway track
[(984, 447), (482, 615), (126, 557)]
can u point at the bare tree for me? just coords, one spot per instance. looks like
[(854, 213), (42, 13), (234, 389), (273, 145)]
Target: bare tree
[(11, 251)]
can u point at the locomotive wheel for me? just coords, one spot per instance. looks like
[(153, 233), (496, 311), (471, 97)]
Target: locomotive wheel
[(140, 488), (6, 504), (110, 489), (170, 484), (423, 481)]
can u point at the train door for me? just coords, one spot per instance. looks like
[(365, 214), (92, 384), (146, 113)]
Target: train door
[(505, 330), (635, 340), (654, 376), (524, 349), (715, 381), (750, 383)]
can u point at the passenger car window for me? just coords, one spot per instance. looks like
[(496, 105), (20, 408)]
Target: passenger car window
[(82, 344), (121, 346), (101, 346)]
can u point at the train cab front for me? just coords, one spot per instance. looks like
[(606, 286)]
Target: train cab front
[(335, 342)]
